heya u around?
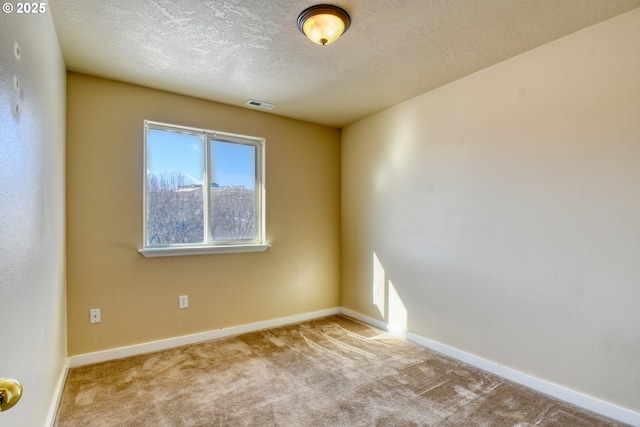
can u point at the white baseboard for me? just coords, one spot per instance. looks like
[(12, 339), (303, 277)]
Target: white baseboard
[(571, 396), (148, 347), (53, 408)]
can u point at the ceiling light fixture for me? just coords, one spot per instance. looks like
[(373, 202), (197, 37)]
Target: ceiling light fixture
[(323, 23)]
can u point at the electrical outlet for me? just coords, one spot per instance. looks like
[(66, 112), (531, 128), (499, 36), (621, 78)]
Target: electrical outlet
[(94, 315), (183, 301)]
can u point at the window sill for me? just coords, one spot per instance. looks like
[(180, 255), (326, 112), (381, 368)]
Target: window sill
[(203, 250)]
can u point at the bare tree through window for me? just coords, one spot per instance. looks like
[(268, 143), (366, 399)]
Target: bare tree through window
[(174, 209), (233, 213)]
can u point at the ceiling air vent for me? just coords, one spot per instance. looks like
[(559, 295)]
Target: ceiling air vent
[(260, 104)]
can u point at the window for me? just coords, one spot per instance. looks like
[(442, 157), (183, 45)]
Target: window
[(203, 192)]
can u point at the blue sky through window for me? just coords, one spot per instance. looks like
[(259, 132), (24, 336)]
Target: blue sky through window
[(232, 163)]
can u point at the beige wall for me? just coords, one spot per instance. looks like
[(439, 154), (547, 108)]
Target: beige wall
[(139, 296), (502, 213), (32, 255)]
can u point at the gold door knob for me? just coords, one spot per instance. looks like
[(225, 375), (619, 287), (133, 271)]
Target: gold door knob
[(10, 393)]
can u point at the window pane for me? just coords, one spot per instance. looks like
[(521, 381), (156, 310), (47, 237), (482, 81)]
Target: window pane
[(174, 187), (233, 191)]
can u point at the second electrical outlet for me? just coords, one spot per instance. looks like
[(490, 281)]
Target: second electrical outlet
[(94, 315), (183, 301)]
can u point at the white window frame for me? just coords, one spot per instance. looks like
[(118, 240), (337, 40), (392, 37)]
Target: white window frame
[(218, 247)]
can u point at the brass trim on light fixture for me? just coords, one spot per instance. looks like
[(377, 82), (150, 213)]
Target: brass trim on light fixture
[(10, 393), (319, 32)]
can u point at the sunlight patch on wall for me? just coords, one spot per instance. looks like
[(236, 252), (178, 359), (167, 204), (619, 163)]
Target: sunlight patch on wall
[(397, 311), (387, 299), (378, 289)]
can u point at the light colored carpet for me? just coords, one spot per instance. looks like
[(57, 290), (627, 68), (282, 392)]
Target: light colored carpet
[(328, 372)]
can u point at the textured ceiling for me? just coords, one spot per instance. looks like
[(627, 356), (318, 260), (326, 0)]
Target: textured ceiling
[(231, 51)]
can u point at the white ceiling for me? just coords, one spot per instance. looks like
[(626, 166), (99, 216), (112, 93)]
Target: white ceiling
[(231, 51)]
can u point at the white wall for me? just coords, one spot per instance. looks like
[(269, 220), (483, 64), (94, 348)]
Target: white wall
[(32, 200), (500, 214)]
